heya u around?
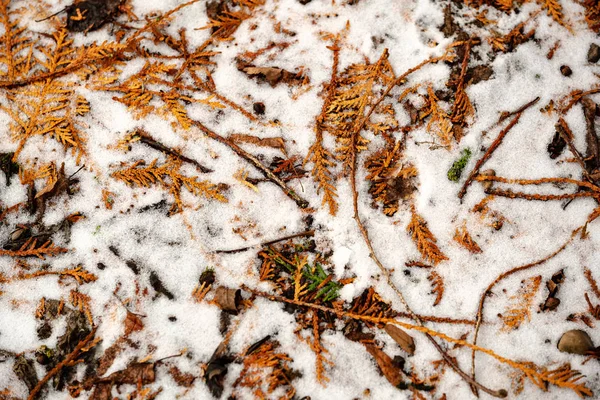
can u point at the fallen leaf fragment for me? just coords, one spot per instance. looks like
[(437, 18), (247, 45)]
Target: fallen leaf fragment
[(386, 365), (404, 340)]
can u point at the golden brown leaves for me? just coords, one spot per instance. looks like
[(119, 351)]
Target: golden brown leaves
[(463, 237), (554, 10), (592, 14), (31, 248), (167, 175), (437, 286), (264, 367), (520, 311), (392, 180), (354, 93), (424, 239), (440, 123)]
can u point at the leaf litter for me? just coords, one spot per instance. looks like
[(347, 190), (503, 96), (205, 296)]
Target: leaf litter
[(143, 256)]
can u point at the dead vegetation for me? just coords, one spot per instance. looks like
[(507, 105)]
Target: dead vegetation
[(358, 136)]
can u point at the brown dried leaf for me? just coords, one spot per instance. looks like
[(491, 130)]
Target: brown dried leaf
[(386, 365), (228, 299), (404, 340), (133, 323), (182, 378), (275, 142)]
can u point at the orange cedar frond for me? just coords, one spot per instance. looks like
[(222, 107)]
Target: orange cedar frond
[(16, 44), (592, 14), (391, 180), (322, 158), (31, 249), (463, 237), (592, 282), (424, 239), (82, 302), (266, 368), (554, 10), (168, 176), (437, 284), (355, 91), (440, 122), (520, 311)]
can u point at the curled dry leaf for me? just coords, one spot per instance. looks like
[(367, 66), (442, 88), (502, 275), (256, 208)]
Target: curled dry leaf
[(404, 340), (228, 299), (133, 323), (272, 75), (273, 142)]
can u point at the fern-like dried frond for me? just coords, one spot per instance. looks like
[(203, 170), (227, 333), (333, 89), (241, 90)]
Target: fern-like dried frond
[(592, 14), (82, 302), (592, 282), (437, 286), (440, 123), (554, 10), (266, 370), (463, 237), (167, 175), (16, 45), (31, 248), (49, 107), (355, 91), (520, 311), (391, 180), (424, 239)]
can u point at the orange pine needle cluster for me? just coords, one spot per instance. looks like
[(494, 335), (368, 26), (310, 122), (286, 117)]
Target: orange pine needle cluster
[(167, 175), (520, 311), (424, 239)]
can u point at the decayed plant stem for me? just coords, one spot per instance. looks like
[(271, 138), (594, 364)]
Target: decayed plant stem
[(493, 147), (372, 254), (291, 193), (479, 317)]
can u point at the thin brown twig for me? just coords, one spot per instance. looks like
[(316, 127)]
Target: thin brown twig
[(479, 317), (295, 235), (353, 162), (493, 147), (68, 359), (148, 140), (291, 193)]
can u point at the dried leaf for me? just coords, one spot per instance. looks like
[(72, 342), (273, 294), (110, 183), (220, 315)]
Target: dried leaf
[(133, 323), (404, 340), (386, 365), (228, 299)]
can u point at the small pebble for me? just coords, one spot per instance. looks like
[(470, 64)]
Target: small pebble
[(259, 108), (575, 342), (593, 54), (566, 70)]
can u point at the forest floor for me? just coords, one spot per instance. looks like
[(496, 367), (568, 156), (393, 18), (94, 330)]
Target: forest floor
[(296, 199)]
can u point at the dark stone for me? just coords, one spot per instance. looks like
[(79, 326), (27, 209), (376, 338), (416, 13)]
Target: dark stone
[(593, 54), (259, 108), (566, 70)]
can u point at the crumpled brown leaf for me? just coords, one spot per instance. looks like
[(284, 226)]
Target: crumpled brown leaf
[(404, 340), (386, 365), (272, 75)]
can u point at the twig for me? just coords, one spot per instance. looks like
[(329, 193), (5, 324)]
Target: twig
[(479, 318), (541, 197), (519, 110), (589, 112), (148, 140), (302, 203), (384, 270), (565, 132), (69, 358), (295, 235), (493, 147)]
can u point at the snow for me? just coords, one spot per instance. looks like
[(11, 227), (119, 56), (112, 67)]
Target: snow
[(179, 247)]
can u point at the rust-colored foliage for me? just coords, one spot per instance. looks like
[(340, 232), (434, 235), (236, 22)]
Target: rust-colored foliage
[(31, 248), (355, 92), (554, 10), (82, 302), (520, 311), (424, 239), (463, 237), (370, 304), (266, 370), (391, 180), (437, 286), (168, 176), (592, 14), (440, 122)]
